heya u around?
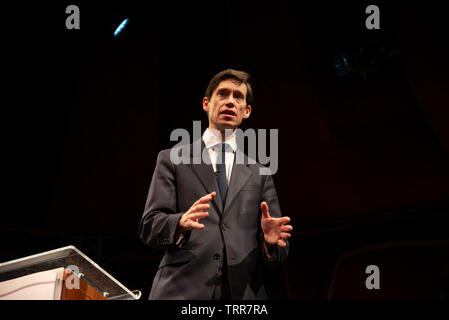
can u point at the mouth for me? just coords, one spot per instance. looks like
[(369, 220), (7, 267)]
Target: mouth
[(228, 112)]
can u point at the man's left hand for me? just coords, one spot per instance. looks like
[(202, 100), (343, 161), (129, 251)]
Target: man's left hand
[(275, 230)]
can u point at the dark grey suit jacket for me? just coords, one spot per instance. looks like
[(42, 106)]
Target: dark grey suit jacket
[(189, 271)]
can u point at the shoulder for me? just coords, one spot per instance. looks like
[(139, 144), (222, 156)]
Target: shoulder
[(164, 154), (176, 155)]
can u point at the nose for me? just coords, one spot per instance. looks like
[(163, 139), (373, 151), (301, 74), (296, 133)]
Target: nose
[(230, 102)]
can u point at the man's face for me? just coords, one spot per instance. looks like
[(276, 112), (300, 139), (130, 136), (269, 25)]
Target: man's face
[(227, 106)]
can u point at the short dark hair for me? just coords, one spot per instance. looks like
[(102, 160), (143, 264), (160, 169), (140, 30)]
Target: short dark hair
[(241, 76)]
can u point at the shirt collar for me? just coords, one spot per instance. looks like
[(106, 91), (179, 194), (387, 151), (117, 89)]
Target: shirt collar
[(212, 137)]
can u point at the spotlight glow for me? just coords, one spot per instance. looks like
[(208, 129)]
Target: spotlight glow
[(121, 27)]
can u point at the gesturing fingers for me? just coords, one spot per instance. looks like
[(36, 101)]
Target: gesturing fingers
[(205, 199), (198, 210), (199, 207), (198, 215), (285, 235), (283, 220), (196, 225), (276, 230), (189, 221)]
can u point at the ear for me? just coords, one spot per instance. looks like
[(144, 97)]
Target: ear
[(206, 106), (247, 112)]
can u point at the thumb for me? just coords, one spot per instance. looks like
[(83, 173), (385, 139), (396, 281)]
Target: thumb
[(264, 208)]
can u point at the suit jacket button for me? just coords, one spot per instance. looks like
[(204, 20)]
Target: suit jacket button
[(216, 256)]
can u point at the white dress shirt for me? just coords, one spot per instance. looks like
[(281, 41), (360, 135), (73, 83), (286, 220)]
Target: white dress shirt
[(211, 138)]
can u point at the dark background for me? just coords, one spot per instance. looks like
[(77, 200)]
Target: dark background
[(363, 151)]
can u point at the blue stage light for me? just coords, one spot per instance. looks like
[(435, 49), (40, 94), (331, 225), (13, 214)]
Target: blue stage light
[(121, 27)]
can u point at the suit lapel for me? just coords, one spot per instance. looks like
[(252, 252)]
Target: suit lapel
[(206, 175), (239, 175)]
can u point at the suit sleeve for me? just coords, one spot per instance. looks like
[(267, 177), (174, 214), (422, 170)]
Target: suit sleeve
[(270, 196), (160, 219)]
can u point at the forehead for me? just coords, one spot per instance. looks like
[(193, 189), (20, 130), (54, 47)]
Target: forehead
[(232, 84)]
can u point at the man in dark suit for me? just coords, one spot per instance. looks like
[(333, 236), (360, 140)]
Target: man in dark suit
[(219, 221)]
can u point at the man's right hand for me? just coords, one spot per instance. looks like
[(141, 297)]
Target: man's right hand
[(198, 210)]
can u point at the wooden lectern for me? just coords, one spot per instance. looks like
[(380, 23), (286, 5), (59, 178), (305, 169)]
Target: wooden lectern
[(61, 274)]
